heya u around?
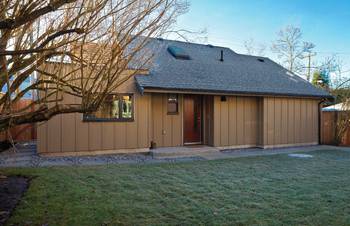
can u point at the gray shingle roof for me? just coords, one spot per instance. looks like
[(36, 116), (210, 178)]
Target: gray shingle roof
[(241, 74)]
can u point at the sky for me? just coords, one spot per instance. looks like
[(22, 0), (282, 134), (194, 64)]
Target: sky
[(229, 23)]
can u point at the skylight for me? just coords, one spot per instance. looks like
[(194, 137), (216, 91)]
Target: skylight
[(178, 53)]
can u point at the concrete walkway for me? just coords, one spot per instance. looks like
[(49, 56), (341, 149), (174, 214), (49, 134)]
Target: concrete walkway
[(25, 156), (183, 151), (212, 153), (238, 153)]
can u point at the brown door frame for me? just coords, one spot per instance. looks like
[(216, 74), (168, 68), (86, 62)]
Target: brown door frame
[(201, 121)]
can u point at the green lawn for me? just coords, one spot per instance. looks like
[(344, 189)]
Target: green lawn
[(268, 190)]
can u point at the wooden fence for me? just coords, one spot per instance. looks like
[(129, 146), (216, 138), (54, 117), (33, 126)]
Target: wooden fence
[(24, 132), (328, 126)]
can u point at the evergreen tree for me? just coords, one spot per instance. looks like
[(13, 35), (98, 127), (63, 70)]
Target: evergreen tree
[(321, 79)]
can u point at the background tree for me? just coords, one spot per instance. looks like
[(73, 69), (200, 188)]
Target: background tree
[(99, 38), (327, 74), (339, 87), (290, 48), (342, 96), (253, 48)]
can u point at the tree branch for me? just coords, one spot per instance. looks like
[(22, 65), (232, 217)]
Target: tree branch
[(42, 45), (10, 23), (42, 114)]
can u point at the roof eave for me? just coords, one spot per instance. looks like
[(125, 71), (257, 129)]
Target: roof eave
[(223, 92)]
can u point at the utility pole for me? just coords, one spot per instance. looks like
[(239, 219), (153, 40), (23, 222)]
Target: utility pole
[(309, 65)]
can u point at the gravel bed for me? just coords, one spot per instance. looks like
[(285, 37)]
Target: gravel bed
[(38, 161), (26, 157)]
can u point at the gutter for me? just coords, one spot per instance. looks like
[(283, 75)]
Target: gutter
[(236, 93), (139, 87), (320, 120)]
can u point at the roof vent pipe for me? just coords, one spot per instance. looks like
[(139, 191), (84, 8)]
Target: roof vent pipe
[(221, 55)]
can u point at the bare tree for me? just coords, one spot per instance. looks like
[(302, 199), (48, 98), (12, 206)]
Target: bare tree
[(340, 89), (333, 66), (253, 48), (199, 36), (81, 48), (290, 48), (343, 114), (342, 121)]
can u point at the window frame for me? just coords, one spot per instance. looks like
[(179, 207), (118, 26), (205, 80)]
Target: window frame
[(86, 118), (177, 104)]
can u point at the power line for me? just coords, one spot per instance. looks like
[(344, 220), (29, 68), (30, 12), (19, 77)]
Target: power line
[(345, 71), (335, 53), (238, 42)]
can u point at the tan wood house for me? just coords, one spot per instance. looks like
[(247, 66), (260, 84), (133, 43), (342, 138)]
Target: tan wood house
[(194, 94)]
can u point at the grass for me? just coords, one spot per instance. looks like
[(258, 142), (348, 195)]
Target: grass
[(267, 190)]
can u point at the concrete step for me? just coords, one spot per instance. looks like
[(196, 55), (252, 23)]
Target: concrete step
[(26, 149), (182, 151), (15, 164), (17, 155), (16, 158), (11, 154)]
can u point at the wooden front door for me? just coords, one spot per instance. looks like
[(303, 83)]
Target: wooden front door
[(192, 119)]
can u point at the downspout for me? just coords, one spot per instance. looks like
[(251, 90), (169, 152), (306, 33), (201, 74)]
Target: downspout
[(320, 120)]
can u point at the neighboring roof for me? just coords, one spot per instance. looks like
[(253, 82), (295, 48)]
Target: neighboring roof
[(204, 72), (336, 107)]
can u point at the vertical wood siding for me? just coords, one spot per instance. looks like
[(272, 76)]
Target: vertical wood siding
[(265, 121), (238, 121), (68, 132), (167, 129), (329, 128), (235, 121), (208, 122), (24, 132), (290, 121)]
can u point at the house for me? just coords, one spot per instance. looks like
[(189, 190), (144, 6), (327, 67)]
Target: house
[(194, 94), (337, 107)]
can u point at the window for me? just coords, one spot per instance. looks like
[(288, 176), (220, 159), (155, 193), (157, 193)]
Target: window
[(178, 53), (173, 104), (126, 107), (116, 107)]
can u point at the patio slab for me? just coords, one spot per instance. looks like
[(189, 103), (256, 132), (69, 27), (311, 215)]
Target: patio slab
[(183, 151)]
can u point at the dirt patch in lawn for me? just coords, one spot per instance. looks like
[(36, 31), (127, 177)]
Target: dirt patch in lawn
[(11, 191)]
